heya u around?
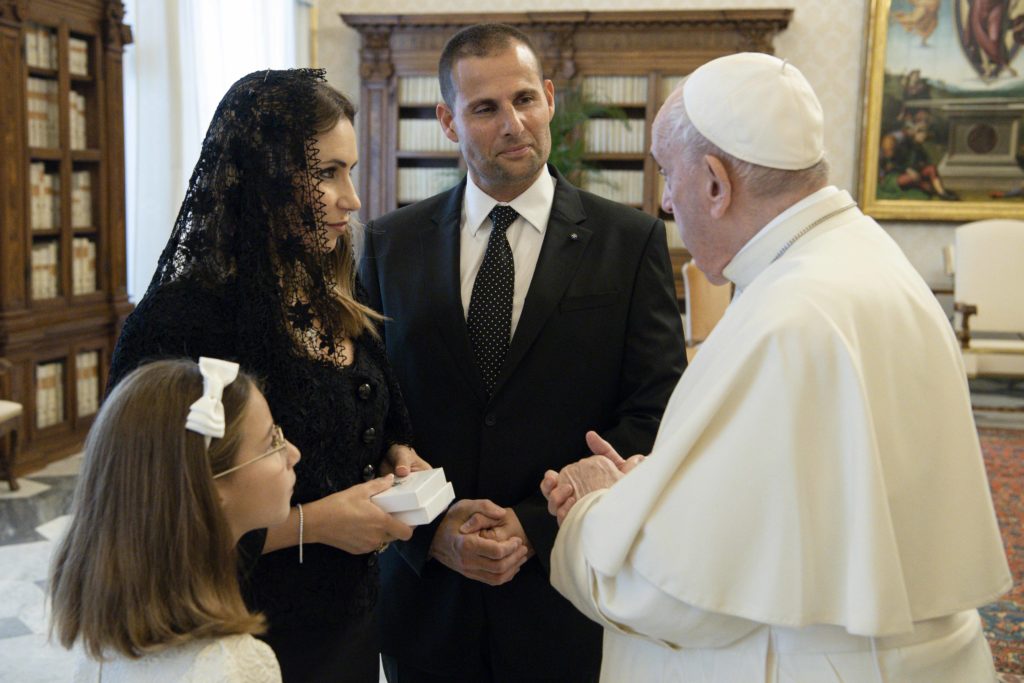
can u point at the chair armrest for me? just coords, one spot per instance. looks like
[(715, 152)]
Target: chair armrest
[(963, 332)]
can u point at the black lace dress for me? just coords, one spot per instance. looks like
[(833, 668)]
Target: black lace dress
[(248, 276)]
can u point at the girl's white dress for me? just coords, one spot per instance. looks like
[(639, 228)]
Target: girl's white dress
[(231, 659)]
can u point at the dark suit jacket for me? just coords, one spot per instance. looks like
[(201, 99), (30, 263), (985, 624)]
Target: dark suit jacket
[(599, 345)]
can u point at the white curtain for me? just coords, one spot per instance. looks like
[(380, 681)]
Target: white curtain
[(186, 54)]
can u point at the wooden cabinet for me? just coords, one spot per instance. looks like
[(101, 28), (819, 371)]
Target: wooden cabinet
[(628, 59), (62, 213)]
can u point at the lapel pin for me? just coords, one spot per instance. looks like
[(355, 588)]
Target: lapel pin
[(573, 236)]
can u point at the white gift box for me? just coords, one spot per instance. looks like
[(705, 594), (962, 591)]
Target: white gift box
[(431, 509), (418, 498), (414, 491)]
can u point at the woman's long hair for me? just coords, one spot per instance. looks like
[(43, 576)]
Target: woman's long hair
[(148, 561), (329, 106)]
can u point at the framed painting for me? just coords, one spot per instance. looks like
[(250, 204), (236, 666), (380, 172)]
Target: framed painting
[(943, 128)]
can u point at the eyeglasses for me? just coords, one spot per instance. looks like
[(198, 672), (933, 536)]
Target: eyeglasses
[(277, 444)]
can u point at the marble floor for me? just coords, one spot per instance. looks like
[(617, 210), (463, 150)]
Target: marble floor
[(30, 520), (33, 517)]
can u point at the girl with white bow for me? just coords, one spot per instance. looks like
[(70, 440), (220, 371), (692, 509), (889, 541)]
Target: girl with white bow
[(183, 459)]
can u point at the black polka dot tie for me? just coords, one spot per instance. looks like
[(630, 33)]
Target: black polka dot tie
[(490, 306)]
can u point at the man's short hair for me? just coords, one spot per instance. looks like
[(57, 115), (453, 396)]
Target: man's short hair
[(479, 40)]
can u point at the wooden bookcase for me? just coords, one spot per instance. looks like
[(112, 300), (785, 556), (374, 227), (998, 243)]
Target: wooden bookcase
[(628, 59), (63, 292)]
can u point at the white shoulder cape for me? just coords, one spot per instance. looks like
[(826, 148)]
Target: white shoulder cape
[(818, 462)]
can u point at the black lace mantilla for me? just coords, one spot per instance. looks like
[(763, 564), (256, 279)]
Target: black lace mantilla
[(252, 208), (239, 280)]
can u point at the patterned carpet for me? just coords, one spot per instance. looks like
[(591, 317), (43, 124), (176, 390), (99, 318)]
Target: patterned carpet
[(1004, 620)]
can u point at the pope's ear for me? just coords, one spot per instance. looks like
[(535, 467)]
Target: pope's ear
[(718, 186), (446, 119)]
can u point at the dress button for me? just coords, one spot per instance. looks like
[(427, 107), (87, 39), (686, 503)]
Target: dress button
[(364, 391), (491, 420), (369, 472), (370, 435)]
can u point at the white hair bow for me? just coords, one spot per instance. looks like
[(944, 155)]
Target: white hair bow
[(206, 416)]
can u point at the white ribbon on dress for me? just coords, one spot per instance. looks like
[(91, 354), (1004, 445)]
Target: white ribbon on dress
[(206, 416)]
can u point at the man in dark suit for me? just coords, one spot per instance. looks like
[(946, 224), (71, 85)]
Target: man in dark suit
[(583, 287)]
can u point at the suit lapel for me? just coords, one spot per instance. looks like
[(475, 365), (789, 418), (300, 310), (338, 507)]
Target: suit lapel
[(565, 241), (440, 245)]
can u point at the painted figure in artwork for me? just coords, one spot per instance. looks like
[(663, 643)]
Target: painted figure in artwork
[(1016, 19), (915, 168), (983, 36), (922, 19), (905, 166)]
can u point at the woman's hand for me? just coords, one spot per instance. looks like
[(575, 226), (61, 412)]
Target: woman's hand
[(350, 521), (402, 460)]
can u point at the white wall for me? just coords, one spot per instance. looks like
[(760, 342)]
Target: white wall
[(826, 40)]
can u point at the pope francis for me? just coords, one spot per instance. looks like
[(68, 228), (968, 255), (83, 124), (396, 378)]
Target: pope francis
[(815, 506)]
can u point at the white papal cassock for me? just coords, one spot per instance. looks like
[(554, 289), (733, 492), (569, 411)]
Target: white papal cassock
[(815, 507)]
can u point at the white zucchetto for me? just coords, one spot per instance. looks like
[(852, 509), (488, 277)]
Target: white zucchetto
[(757, 108)]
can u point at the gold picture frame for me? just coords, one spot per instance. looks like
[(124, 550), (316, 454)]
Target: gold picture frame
[(943, 127)]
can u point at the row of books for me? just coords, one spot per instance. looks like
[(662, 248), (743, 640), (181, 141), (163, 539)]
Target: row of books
[(81, 199), (419, 90), (622, 186), (612, 135), (87, 382), (45, 272), (83, 266), (50, 388), (423, 135), (46, 268), (78, 57), (43, 113), (44, 192), (41, 47), (415, 184), (41, 51), (76, 103), (668, 84), (49, 394), (616, 89)]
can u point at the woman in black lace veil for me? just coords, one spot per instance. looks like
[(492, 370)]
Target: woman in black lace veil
[(259, 269)]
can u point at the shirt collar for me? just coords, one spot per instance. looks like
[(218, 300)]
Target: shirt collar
[(759, 252), (534, 204)]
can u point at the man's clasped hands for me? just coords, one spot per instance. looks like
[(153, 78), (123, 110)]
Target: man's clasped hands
[(486, 542)]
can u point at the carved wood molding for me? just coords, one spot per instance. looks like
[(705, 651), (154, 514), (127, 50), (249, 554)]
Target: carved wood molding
[(13, 12), (375, 54), (778, 18), (757, 37), (558, 53), (556, 32), (118, 33)]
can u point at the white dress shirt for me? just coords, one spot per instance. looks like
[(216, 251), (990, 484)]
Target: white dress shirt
[(525, 236)]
